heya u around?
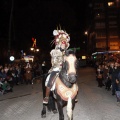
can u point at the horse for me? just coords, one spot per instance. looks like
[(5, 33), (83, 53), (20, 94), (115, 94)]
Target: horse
[(65, 85), (66, 88)]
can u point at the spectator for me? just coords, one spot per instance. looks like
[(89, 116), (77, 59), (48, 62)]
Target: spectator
[(22, 73), (6, 87), (10, 77), (100, 76), (44, 68), (28, 74), (114, 76)]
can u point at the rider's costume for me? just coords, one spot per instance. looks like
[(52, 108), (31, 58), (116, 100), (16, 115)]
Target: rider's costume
[(57, 57)]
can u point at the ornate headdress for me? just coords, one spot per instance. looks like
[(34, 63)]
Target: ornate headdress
[(61, 37)]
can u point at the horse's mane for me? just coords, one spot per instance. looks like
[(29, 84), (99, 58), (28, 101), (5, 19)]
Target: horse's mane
[(70, 51)]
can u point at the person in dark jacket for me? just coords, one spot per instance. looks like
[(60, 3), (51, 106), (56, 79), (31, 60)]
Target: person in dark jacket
[(114, 78), (44, 68)]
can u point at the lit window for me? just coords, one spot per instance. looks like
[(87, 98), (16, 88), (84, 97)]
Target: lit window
[(99, 24)]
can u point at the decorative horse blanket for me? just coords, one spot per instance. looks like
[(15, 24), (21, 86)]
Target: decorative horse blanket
[(64, 91)]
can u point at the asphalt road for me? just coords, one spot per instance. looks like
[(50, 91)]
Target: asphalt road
[(94, 103)]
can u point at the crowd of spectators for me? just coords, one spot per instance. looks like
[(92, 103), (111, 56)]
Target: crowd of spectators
[(108, 75), (18, 74)]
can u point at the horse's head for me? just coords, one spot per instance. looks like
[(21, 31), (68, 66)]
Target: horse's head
[(70, 66)]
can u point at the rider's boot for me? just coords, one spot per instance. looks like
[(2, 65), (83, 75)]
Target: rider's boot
[(46, 99)]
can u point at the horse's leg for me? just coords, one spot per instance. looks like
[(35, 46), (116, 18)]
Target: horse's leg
[(49, 105), (43, 113), (60, 110), (73, 104), (52, 103)]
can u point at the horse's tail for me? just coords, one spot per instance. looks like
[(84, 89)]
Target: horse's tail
[(69, 108)]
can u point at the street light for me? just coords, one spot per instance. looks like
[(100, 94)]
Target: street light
[(86, 32), (37, 50), (12, 58), (87, 40), (34, 49), (31, 49)]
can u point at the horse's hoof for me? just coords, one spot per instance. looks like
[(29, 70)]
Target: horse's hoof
[(43, 116), (55, 111)]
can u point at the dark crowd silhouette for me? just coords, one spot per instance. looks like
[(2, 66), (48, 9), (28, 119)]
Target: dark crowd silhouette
[(17, 74)]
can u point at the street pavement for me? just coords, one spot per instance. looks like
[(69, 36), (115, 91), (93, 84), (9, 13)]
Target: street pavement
[(94, 103)]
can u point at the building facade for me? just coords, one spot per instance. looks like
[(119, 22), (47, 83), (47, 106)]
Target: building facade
[(105, 31)]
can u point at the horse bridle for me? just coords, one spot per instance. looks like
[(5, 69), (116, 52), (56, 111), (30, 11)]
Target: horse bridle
[(66, 68), (68, 76)]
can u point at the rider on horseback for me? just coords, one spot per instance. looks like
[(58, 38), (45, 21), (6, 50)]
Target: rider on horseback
[(57, 57)]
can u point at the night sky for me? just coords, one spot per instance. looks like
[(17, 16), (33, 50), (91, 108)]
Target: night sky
[(38, 19)]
